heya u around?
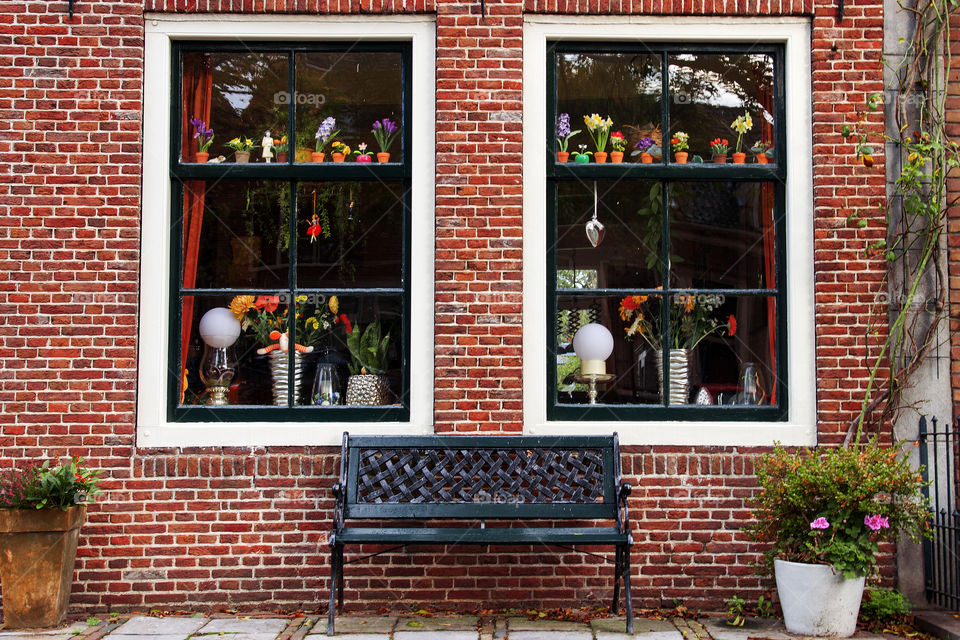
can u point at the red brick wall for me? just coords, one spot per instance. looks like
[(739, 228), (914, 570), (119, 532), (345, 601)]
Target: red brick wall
[(245, 528), (953, 214)]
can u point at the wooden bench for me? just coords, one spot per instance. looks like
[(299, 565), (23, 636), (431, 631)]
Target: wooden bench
[(472, 479)]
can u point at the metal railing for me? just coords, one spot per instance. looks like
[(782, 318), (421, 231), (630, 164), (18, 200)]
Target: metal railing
[(939, 456)]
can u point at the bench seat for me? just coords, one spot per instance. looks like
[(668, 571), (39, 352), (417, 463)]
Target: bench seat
[(476, 535)]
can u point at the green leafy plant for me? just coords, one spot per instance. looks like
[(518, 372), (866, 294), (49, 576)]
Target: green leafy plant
[(835, 506), (368, 350), (43, 487), (735, 611), (764, 607), (883, 607)]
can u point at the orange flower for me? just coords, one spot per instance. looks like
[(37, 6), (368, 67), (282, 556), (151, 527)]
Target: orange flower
[(732, 324), (267, 303), (240, 305)]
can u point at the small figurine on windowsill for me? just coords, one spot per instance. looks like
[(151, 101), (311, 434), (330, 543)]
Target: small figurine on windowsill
[(267, 145)]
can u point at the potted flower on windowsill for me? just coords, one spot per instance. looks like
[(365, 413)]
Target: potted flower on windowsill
[(644, 148), (563, 136), (283, 150), (761, 149), (599, 130), (741, 125), (385, 132), (719, 148), (823, 514), (204, 137), (362, 155), (242, 146), (367, 384), (617, 143), (680, 142), (325, 134), (339, 151), (41, 512), (582, 155)]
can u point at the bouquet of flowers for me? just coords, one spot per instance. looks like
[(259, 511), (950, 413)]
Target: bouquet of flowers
[(263, 316), (691, 319), (563, 131), (599, 130)]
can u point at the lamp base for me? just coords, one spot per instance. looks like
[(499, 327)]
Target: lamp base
[(218, 396), (591, 380)]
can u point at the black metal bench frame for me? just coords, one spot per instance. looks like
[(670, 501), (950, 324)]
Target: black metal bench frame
[(476, 478)]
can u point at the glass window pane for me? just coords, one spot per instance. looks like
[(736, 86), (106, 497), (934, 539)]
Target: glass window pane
[(624, 86), (629, 253), (708, 92), (236, 234), (722, 235), (238, 95), (350, 234), (356, 89)]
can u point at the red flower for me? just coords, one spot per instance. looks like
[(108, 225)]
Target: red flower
[(346, 322), (616, 134), (267, 303), (732, 324), (629, 303), (79, 477), (674, 140)]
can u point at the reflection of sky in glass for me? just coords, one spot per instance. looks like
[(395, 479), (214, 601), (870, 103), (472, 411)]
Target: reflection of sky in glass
[(722, 91), (578, 63)]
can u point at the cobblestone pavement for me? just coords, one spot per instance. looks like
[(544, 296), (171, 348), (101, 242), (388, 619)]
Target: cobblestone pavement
[(355, 627)]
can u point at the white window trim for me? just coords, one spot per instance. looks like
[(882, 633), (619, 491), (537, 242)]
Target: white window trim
[(800, 428), (153, 428)]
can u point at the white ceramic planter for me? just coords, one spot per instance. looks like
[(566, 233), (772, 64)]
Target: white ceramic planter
[(816, 601)]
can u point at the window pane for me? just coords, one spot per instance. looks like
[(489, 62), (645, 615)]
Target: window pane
[(624, 86), (236, 234), (629, 253), (709, 91), (238, 95), (350, 234), (722, 235), (356, 89), (711, 372)]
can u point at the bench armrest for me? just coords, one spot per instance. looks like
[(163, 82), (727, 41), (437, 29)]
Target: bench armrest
[(339, 498), (623, 513)]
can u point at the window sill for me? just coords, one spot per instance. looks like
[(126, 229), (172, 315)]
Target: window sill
[(690, 433), (265, 434)]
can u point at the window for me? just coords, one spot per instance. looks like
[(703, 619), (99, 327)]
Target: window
[(307, 252), (679, 255)]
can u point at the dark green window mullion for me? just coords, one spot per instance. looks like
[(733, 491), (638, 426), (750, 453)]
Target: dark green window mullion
[(551, 350), (780, 317), (175, 327), (664, 108), (291, 107), (665, 301), (292, 288)]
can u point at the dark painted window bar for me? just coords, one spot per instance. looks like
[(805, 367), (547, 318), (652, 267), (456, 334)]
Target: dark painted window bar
[(666, 232), (290, 170)]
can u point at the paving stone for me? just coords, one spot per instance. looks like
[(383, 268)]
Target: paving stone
[(35, 635), (150, 626), (770, 629), (358, 624), (443, 623), (419, 634), (352, 636), (249, 629), (652, 629), (522, 624), (581, 634), (156, 636), (67, 631)]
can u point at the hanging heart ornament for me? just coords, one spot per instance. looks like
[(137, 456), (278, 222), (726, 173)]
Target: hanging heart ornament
[(595, 231)]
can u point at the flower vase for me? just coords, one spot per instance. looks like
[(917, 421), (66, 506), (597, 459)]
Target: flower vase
[(581, 158), (316, 156), (719, 158), (364, 158), (241, 157), (817, 600), (283, 157), (762, 158), (739, 157), (278, 371), (679, 360), (563, 156), (616, 157), (680, 157), (367, 389), (383, 157), (600, 157), (646, 158), (202, 157), (337, 157)]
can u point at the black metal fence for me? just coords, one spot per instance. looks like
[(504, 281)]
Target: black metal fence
[(939, 456)]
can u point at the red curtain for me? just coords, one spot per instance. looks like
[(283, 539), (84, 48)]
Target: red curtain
[(767, 203), (197, 92)]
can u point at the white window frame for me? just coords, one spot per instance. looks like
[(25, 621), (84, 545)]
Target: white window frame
[(800, 427), (153, 428)]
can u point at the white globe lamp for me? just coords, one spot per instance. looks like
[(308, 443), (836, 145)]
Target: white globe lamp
[(593, 344), (219, 329)]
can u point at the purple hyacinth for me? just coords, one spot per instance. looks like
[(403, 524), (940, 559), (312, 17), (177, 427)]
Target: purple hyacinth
[(385, 132), (326, 132), (563, 125)]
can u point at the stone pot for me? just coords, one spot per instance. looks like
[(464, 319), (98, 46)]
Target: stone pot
[(367, 390), (38, 550), (816, 601)]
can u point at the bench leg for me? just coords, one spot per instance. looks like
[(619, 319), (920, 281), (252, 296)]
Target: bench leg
[(340, 580), (617, 576), (334, 581), (627, 594)]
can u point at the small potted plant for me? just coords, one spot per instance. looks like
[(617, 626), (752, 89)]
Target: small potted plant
[(563, 136), (326, 132), (823, 515), (283, 150), (741, 125), (599, 130), (339, 151), (760, 149), (719, 147), (41, 511), (643, 149), (242, 146), (385, 132), (362, 155), (618, 143), (582, 155), (367, 384), (680, 142), (204, 137)]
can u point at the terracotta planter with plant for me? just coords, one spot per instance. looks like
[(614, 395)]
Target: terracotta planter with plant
[(368, 384), (204, 137), (719, 148), (41, 512), (242, 146), (680, 142), (599, 130), (739, 157), (563, 156), (317, 156), (759, 150), (385, 132), (563, 137), (741, 125), (283, 150), (326, 132), (618, 144)]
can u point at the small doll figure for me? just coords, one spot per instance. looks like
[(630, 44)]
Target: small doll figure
[(314, 229), (267, 145)]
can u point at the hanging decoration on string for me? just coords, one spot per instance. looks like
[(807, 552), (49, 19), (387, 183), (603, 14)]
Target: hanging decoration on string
[(595, 228)]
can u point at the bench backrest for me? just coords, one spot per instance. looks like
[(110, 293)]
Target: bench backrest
[(480, 477)]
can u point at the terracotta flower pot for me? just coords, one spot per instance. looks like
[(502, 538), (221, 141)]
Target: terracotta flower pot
[(241, 156), (317, 157), (202, 157), (563, 156), (646, 158), (38, 550), (739, 157), (719, 158), (383, 157), (600, 157), (616, 156), (283, 157), (337, 157), (680, 157), (762, 159), (364, 158)]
